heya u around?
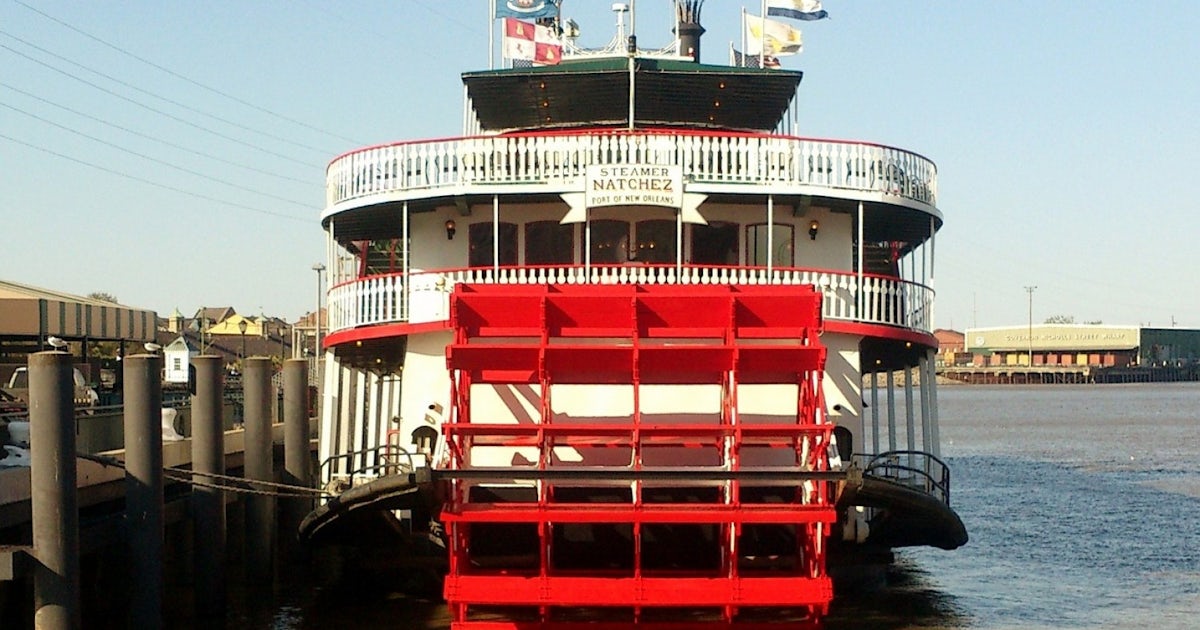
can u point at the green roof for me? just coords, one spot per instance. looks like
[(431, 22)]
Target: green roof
[(595, 92)]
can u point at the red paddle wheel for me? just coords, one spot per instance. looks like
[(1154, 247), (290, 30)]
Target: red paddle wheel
[(565, 514)]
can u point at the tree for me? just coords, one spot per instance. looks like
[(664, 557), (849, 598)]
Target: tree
[(1060, 319), (103, 297)]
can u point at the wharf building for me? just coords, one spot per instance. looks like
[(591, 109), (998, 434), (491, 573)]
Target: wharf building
[(1074, 353)]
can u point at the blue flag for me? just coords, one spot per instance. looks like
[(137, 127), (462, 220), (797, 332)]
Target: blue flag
[(527, 9), (797, 9)]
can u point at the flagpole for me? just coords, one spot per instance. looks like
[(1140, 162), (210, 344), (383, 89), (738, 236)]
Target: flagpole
[(633, 18), (491, 34), (762, 33), (743, 36), (632, 47)]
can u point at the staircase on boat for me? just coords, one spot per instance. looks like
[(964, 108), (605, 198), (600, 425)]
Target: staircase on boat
[(576, 494)]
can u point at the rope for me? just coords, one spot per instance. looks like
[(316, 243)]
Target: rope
[(185, 475)]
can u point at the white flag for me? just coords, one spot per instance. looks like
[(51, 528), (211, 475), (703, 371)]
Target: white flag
[(797, 9), (774, 38)]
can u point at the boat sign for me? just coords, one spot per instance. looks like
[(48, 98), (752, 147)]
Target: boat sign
[(634, 185)]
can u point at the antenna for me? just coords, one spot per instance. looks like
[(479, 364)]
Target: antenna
[(620, 8)]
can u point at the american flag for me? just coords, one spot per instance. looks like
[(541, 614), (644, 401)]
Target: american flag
[(746, 60)]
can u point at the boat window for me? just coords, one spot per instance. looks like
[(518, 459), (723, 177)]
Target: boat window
[(782, 254), (549, 243), (655, 241), (610, 241), (481, 244), (715, 243)]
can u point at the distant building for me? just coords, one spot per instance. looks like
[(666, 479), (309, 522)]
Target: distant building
[(176, 321), (1082, 345), (177, 356), (950, 347), (30, 315), (217, 331), (949, 340)]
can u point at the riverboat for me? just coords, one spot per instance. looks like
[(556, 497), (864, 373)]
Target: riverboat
[(629, 346)]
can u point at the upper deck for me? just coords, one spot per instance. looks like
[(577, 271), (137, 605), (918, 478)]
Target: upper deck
[(713, 162), (536, 141)]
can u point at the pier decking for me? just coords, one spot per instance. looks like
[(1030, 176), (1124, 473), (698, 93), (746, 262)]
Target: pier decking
[(1069, 374)]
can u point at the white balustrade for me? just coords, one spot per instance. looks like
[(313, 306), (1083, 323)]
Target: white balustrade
[(382, 299), (559, 160)]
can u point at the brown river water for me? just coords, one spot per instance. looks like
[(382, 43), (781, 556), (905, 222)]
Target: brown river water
[(1082, 503)]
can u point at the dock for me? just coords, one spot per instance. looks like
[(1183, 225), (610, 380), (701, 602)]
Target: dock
[(160, 506)]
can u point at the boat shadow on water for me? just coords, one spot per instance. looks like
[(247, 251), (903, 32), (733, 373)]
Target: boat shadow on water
[(901, 595)]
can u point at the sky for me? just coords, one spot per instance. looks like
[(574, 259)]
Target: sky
[(172, 153)]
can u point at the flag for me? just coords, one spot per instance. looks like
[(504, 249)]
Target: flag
[(771, 37), (528, 9), (744, 60), (531, 42), (797, 9)]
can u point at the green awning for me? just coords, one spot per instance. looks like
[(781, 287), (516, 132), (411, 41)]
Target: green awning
[(596, 93)]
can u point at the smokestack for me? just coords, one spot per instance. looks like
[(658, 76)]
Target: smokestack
[(688, 27)]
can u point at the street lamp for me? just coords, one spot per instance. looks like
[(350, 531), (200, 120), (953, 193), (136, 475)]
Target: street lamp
[(242, 329), (318, 267), (1030, 291)]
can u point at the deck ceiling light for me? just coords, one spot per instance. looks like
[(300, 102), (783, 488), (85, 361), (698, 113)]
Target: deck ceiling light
[(812, 230), (450, 230)]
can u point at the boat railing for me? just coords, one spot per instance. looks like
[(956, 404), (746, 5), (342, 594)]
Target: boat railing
[(348, 469), (912, 468), (559, 161), (425, 297)]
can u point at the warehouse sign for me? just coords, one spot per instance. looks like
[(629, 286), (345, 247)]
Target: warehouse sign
[(1054, 338), (634, 185)]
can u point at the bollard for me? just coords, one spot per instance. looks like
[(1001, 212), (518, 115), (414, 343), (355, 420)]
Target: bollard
[(144, 488), (297, 463), (260, 508), (208, 504), (55, 505)]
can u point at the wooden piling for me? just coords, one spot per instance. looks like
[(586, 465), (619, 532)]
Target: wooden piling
[(260, 508), (144, 488), (297, 461), (208, 503), (55, 504)]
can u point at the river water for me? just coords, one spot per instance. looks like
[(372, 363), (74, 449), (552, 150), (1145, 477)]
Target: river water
[(1082, 503)]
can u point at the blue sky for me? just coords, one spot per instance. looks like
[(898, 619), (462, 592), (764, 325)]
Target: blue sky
[(1066, 136)]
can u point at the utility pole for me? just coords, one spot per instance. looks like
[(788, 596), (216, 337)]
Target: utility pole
[(318, 267), (1030, 291)]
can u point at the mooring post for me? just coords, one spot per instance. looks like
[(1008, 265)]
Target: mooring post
[(54, 497), (260, 508), (144, 488), (297, 464), (208, 502)]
